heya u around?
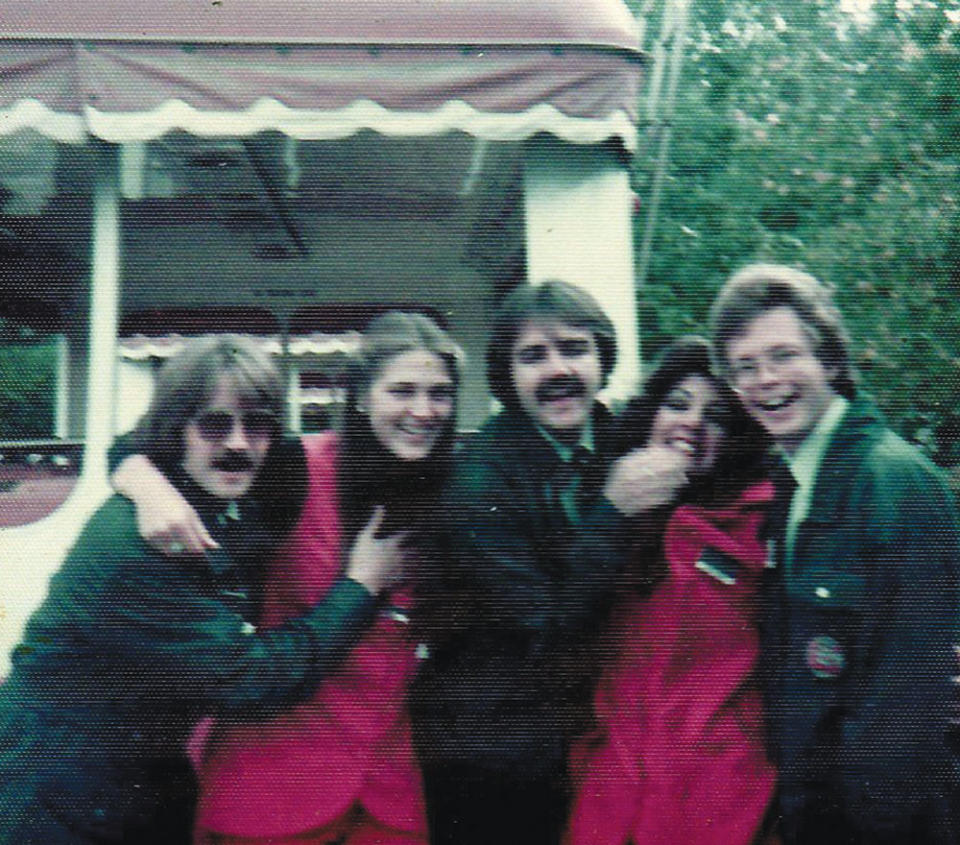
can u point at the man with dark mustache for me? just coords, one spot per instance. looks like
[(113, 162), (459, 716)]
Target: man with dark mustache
[(536, 527)]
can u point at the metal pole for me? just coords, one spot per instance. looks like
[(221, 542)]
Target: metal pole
[(675, 32)]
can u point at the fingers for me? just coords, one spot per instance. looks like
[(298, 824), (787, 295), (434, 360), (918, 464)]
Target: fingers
[(378, 562), (645, 479), (375, 521), (397, 540), (185, 535)]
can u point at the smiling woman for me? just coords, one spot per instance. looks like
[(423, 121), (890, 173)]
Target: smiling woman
[(676, 753), (410, 403)]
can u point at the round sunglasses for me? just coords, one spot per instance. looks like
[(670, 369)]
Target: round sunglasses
[(215, 426)]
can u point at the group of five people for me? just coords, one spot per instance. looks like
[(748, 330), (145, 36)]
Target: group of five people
[(725, 616)]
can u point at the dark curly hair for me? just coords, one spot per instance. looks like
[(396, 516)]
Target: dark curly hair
[(741, 456)]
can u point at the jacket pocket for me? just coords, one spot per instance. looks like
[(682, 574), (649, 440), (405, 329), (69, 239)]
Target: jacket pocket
[(828, 590)]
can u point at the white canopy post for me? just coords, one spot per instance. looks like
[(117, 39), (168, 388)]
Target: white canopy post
[(104, 307), (578, 205)]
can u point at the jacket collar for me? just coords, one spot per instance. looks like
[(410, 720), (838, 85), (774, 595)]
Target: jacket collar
[(857, 431), (234, 523), (512, 429)]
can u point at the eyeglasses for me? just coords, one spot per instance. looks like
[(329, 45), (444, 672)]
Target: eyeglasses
[(214, 426), (748, 371)]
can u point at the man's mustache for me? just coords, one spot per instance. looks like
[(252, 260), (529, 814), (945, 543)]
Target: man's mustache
[(560, 387), (234, 462)]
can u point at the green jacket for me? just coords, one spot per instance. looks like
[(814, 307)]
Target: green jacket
[(127, 651), (857, 638), (528, 588)]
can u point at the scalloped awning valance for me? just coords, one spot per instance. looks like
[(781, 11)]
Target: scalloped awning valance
[(124, 70)]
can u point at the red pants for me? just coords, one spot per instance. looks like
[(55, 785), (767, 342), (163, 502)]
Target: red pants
[(355, 827)]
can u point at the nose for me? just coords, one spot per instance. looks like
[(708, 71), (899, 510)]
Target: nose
[(559, 363), (767, 372), (421, 406), (237, 439)]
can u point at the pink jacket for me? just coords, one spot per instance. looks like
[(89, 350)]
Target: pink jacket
[(678, 753), (351, 742)]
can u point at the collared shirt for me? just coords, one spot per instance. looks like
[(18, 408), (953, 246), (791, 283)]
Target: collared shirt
[(805, 464), (565, 452), (572, 458)]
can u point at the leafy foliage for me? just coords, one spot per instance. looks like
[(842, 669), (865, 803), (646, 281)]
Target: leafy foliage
[(809, 135), (27, 378)]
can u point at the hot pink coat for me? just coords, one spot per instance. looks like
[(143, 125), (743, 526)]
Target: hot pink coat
[(351, 742), (678, 754)]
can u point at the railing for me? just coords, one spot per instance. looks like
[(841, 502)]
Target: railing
[(36, 476)]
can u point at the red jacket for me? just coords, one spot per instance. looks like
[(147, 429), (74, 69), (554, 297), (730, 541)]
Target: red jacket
[(351, 742), (678, 753)]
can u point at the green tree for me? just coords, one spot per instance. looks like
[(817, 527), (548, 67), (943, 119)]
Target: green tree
[(806, 135), (27, 370)]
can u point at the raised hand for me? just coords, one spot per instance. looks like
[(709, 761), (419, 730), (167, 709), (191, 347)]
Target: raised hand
[(378, 562), (645, 479)]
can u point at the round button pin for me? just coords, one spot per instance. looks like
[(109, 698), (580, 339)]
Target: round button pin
[(825, 657)]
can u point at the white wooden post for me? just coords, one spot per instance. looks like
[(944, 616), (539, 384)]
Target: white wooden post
[(104, 317), (578, 205)]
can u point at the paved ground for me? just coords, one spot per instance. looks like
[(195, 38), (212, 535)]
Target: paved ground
[(31, 493)]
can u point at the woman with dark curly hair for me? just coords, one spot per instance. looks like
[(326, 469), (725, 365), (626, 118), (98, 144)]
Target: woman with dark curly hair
[(677, 752)]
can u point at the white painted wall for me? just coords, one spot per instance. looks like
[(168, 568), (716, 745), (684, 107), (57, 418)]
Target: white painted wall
[(578, 205)]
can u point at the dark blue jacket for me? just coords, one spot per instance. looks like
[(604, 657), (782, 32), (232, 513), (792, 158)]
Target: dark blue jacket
[(857, 641), (502, 687), (127, 651)]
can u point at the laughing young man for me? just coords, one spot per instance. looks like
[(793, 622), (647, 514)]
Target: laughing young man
[(536, 535), (861, 603)]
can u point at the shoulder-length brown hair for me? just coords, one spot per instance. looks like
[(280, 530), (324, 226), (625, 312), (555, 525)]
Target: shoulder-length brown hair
[(368, 473)]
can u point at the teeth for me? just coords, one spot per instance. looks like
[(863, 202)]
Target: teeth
[(562, 392), (683, 446)]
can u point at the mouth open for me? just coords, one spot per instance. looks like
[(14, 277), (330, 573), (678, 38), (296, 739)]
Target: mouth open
[(773, 406), (418, 436), (233, 464), (559, 390)]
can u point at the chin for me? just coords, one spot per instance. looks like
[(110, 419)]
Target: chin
[(570, 421), (411, 455), (232, 490)]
